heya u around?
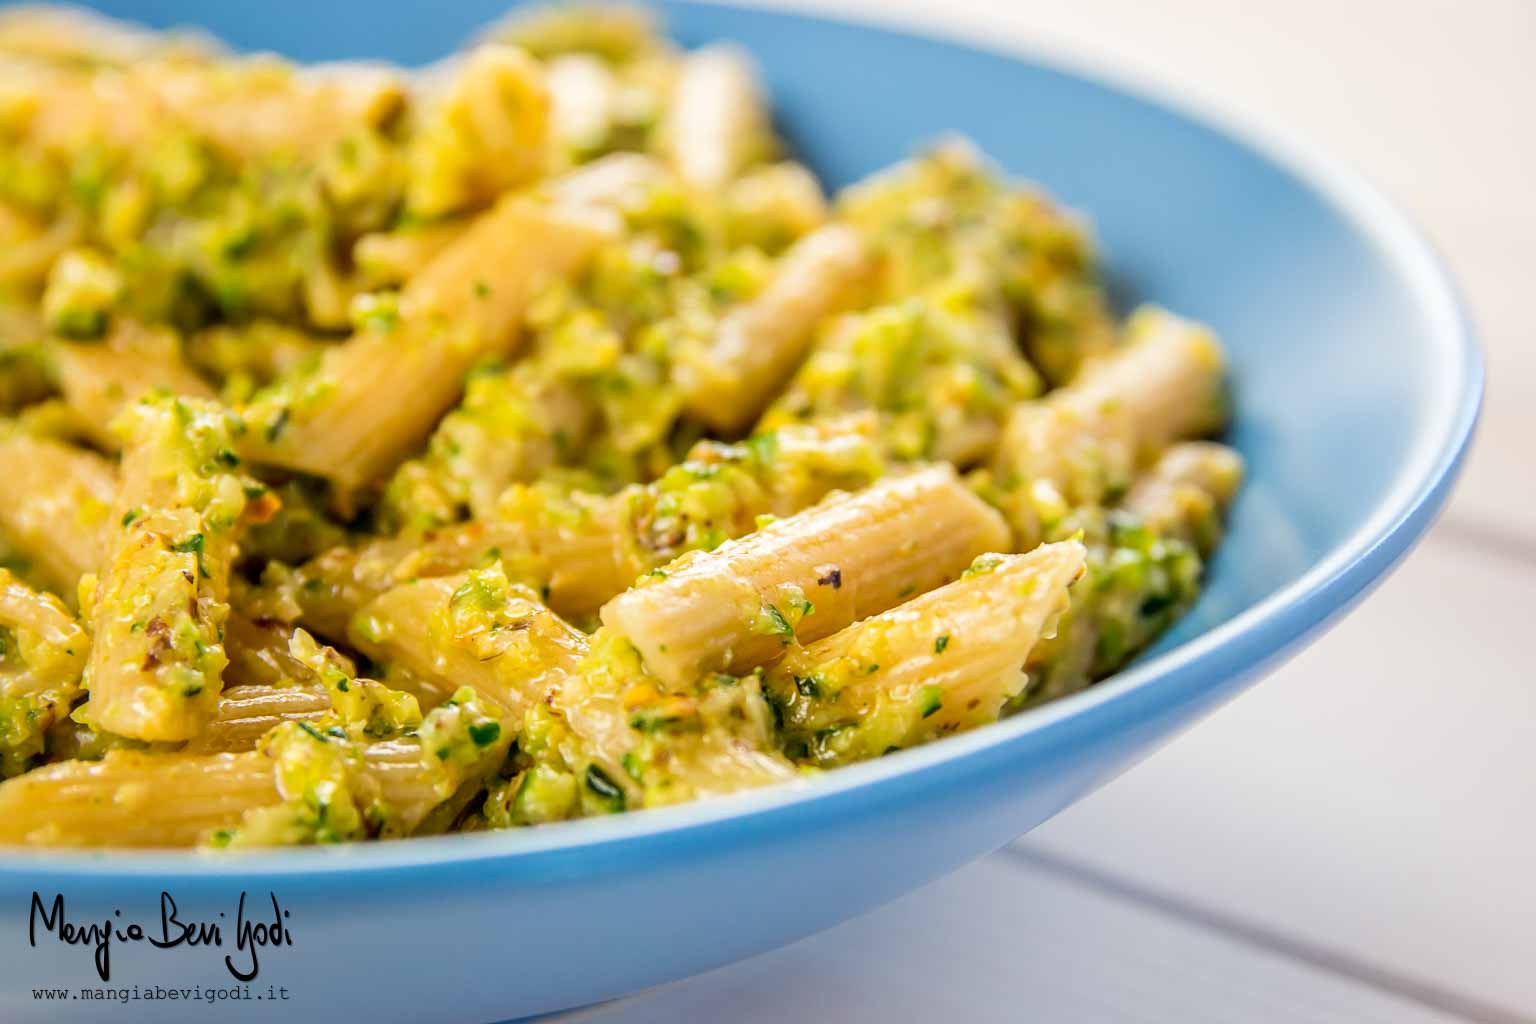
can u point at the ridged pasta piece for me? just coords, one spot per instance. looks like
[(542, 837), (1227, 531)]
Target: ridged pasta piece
[(1082, 444), (43, 650), (806, 576), (464, 305), (1166, 380), (58, 498), (942, 374), (608, 739), (585, 548), (24, 371), (1186, 491), (606, 181), (474, 629), (260, 649), (246, 713), (130, 798), (385, 259), (938, 664), (342, 779), (1145, 563), (758, 344), (583, 96), (162, 598), (30, 248), (718, 123), (248, 107), (121, 799), (307, 781), (100, 379), (261, 105), (631, 742), (486, 131)]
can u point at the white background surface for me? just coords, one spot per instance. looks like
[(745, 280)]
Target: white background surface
[(1353, 840)]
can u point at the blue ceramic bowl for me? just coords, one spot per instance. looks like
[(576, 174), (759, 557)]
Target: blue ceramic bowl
[(1357, 386)]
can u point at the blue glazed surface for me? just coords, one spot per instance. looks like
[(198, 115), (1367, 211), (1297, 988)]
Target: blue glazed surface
[(1357, 385)]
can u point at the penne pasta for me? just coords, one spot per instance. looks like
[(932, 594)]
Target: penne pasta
[(1145, 562), (43, 650), (247, 713), (607, 181), (942, 376), (485, 132), (804, 577), (305, 783), (583, 95), (718, 124), (24, 374), (474, 629), (1081, 444), (582, 549), (100, 379), (121, 800), (1186, 492), (58, 499), (1165, 382), (159, 608), (938, 664), (759, 344), (463, 306)]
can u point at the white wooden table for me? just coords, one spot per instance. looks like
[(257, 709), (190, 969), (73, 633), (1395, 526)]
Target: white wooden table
[(1353, 840)]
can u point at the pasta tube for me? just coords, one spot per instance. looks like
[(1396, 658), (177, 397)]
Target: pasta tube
[(942, 376), (718, 123), (758, 344), (1081, 444), (474, 629), (463, 306), (306, 783), (1145, 562), (583, 95), (582, 549), (940, 663), (607, 739), (804, 577), (42, 654), (247, 713), (99, 379), (58, 499), (607, 181), (485, 133), (162, 599), (1185, 493), (121, 800), (386, 258), (1165, 382)]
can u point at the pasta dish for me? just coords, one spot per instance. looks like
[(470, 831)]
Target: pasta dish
[(528, 437)]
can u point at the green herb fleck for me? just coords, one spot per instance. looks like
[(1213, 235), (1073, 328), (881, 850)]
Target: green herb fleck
[(930, 699), (485, 733), (605, 788)]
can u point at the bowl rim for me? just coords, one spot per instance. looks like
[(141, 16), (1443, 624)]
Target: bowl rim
[(1250, 639)]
